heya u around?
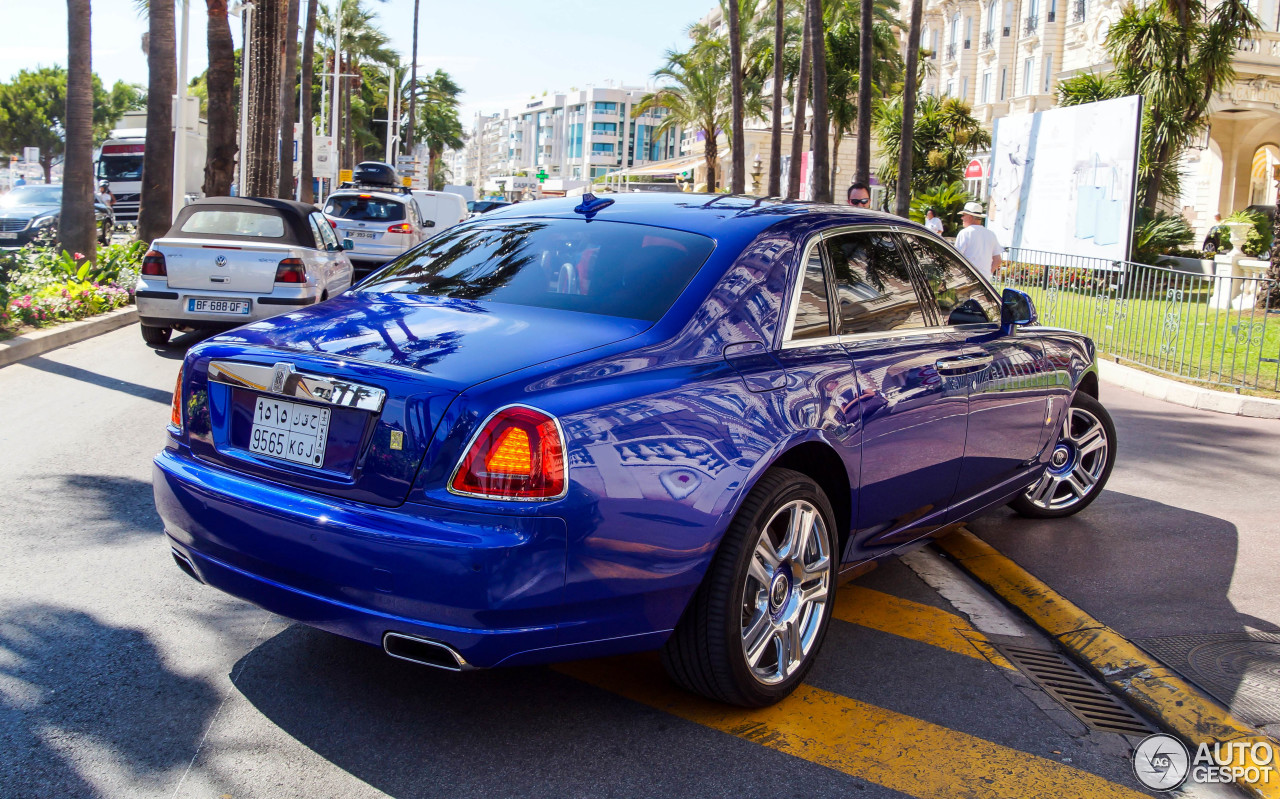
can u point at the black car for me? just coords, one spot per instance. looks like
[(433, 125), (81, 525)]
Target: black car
[(30, 214)]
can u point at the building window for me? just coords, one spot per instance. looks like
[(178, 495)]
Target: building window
[(604, 127), (1052, 13), (600, 148), (968, 33), (605, 108), (951, 88), (1048, 73), (986, 87), (1004, 83), (964, 88), (1008, 18), (1027, 71)]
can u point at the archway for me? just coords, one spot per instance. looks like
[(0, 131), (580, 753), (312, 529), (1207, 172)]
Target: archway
[(1262, 187)]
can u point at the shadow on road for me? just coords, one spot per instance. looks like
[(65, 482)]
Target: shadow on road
[(105, 381), (177, 348), (110, 509), (83, 702)]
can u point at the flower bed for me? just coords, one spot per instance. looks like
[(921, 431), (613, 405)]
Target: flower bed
[(42, 287)]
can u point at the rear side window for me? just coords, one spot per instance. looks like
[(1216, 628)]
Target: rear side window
[(813, 314), (958, 292), (365, 209), (249, 224), (873, 284), (598, 267)]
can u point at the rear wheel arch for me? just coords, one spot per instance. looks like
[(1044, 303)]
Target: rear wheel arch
[(819, 461)]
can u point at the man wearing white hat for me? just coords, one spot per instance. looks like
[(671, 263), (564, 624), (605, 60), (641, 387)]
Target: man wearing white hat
[(976, 242)]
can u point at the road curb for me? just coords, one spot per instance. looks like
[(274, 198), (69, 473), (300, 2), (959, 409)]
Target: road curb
[(1148, 685), (42, 341), (1205, 399)]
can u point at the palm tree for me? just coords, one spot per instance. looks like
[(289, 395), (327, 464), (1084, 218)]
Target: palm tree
[(738, 180), (775, 131), (862, 161), (308, 83), (288, 99), (76, 227), (843, 45), (362, 43), (261, 161), (798, 112), (907, 132), (220, 157), (945, 138), (695, 98), (821, 164), (155, 215), (440, 128)]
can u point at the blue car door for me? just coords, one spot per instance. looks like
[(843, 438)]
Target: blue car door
[(1007, 381), (912, 415)]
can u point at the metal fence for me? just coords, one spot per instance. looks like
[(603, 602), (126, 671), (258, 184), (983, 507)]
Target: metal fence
[(1211, 328)]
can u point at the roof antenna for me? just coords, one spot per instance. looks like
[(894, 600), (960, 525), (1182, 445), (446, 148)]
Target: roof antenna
[(592, 204)]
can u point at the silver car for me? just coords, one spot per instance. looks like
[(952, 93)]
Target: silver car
[(381, 224)]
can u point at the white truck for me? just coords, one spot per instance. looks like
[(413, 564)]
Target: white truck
[(120, 163)]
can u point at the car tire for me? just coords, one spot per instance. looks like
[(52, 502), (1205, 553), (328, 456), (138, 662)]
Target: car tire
[(777, 609), (1079, 467), (156, 336)]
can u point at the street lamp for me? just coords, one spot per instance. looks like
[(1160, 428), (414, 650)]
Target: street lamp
[(181, 117), (246, 34)]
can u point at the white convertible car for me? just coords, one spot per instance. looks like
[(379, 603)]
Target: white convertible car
[(231, 260)]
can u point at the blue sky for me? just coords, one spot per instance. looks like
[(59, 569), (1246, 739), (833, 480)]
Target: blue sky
[(500, 51)]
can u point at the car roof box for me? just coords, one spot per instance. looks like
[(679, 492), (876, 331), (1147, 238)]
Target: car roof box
[(375, 173)]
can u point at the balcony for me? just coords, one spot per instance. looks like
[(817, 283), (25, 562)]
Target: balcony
[(1029, 26), (951, 52), (1078, 10), (1262, 48), (988, 40)]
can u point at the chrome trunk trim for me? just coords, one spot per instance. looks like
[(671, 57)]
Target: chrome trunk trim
[(284, 380)]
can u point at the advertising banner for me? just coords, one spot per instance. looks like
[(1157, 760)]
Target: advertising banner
[(1062, 180)]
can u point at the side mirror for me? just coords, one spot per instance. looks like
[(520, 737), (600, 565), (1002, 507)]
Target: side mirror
[(348, 244), (1016, 309), (428, 223)]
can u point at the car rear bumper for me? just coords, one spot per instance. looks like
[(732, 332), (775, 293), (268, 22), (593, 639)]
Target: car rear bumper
[(159, 303), (488, 586)]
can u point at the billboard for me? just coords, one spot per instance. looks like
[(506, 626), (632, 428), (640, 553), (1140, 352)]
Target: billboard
[(1063, 180)]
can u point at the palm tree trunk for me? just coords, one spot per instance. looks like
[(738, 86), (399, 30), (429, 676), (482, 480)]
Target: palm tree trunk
[(155, 215), (738, 181), (798, 112), (288, 99), (775, 133), (413, 92), (433, 161), (220, 157), (262, 161), (906, 139), (820, 138), (862, 161), (76, 228), (710, 155), (308, 80)]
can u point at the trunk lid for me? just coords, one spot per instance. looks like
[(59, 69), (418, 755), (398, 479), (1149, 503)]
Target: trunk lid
[(221, 266), (416, 353)]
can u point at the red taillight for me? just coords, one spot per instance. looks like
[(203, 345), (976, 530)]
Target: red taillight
[(291, 270), (153, 264), (333, 224), (175, 409), (517, 455), (403, 227)]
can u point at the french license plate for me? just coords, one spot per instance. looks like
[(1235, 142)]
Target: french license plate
[(362, 234), (8, 235), (196, 305), (289, 431)]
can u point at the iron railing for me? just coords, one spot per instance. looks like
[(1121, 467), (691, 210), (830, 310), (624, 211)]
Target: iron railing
[(951, 52), (988, 40), (1029, 25), (1079, 10), (1210, 328)]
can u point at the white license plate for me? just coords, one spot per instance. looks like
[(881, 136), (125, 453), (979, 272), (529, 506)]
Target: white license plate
[(240, 307), (8, 235), (361, 234), (289, 431)]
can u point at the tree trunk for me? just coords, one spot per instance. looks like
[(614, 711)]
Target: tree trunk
[(308, 80), (155, 215), (77, 231), (288, 99), (738, 153), (906, 139), (433, 159), (46, 164), (820, 163), (413, 87), (262, 161), (220, 158), (862, 161), (798, 112), (775, 133), (710, 154)]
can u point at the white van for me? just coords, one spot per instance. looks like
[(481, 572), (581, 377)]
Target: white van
[(443, 209)]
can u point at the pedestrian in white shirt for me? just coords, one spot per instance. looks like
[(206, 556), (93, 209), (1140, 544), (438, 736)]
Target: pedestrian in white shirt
[(977, 243), (932, 223)]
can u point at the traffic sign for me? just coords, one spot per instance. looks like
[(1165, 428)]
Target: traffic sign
[(407, 181), (344, 175), (31, 154)]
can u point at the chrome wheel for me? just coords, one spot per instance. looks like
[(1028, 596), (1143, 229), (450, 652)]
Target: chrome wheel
[(787, 588), (1076, 465)]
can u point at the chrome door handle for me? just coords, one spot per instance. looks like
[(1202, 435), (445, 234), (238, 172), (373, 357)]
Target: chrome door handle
[(963, 363)]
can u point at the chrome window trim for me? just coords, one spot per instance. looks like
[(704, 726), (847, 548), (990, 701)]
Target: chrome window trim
[(278, 379), (475, 434)]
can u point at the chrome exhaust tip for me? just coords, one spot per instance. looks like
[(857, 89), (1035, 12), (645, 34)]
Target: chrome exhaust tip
[(423, 651), (186, 565)]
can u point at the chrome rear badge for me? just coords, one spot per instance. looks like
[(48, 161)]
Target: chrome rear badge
[(280, 377), (221, 260)]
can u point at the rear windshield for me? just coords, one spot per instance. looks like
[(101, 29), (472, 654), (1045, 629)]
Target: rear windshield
[(250, 224), (364, 209), (598, 267)]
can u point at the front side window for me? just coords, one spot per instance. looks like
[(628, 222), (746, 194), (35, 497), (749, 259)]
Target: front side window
[(606, 268), (873, 284), (813, 315), (249, 224), (959, 294)]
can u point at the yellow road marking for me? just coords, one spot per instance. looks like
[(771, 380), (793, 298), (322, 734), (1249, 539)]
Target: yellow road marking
[(902, 617), (900, 752)]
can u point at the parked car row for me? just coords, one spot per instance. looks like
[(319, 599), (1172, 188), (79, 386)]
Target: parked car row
[(30, 214)]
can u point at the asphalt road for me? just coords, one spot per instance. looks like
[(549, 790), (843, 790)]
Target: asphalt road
[(120, 676)]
